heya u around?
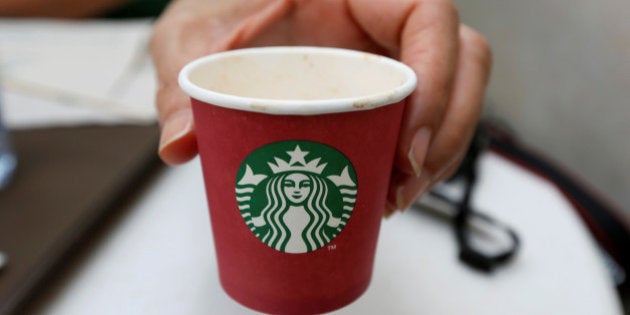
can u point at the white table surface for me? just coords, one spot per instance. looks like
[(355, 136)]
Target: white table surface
[(159, 259)]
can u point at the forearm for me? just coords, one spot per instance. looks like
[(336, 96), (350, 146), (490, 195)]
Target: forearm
[(57, 8)]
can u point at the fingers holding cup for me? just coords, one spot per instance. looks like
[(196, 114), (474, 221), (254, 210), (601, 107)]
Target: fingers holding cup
[(448, 144)]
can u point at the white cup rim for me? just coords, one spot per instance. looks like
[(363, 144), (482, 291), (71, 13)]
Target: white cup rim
[(306, 107)]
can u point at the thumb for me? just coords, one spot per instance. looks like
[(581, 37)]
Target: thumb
[(188, 30)]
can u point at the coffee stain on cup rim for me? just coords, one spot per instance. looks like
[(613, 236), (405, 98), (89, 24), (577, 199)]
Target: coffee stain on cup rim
[(364, 103), (258, 106)]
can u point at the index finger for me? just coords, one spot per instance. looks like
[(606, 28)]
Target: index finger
[(424, 35)]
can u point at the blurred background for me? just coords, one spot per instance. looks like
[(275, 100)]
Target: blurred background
[(561, 80)]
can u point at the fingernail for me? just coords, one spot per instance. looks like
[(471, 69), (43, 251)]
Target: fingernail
[(438, 175), (418, 151), (389, 210), (406, 194), (179, 124)]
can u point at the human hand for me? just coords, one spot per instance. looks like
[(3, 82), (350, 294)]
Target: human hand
[(451, 60)]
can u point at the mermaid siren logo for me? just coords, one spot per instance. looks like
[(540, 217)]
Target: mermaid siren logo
[(296, 196)]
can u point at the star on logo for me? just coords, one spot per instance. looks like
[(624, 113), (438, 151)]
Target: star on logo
[(297, 156), (297, 163)]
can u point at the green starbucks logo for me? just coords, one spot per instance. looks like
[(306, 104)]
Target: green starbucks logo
[(296, 196)]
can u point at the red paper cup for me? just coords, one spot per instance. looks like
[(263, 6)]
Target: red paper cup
[(297, 146)]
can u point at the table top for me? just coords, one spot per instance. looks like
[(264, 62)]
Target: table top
[(159, 258)]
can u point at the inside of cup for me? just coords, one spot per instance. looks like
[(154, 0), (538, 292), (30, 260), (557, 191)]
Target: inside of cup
[(298, 74)]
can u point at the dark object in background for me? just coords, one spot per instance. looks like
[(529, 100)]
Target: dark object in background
[(470, 225), (604, 220), (7, 158), (138, 9), (69, 180)]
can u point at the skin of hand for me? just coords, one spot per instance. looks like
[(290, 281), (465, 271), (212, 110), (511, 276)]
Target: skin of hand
[(451, 60)]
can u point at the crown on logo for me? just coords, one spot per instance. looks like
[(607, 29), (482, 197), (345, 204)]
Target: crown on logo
[(297, 163)]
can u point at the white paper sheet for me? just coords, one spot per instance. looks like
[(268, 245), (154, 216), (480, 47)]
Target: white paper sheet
[(87, 71)]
